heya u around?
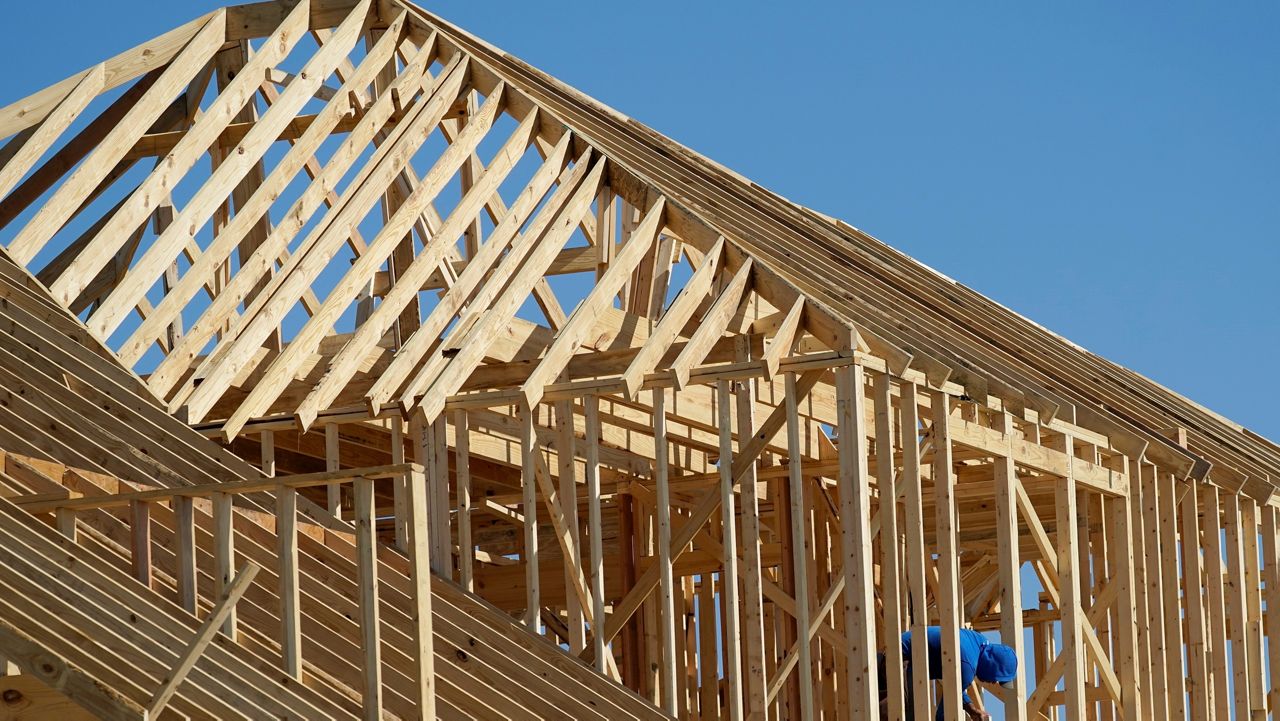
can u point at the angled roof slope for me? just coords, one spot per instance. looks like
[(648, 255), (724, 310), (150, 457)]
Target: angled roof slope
[(66, 602)]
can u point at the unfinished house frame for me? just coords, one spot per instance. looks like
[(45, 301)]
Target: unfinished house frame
[(350, 367)]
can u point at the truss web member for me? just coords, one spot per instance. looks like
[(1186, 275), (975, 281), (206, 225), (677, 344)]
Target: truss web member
[(980, 659)]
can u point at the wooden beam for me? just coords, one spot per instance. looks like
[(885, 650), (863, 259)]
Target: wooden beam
[(731, 640), (222, 610), (66, 201), (424, 678), (290, 597), (601, 295), (666, 586), (948, 601), (367, 570), (1069, 589)]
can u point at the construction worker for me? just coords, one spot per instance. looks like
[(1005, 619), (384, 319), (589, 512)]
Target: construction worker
[(980, 659)]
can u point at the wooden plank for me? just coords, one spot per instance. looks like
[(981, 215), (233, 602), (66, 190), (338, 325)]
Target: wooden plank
[(1069, 594), (227, 601), (122, 68), (855, 526), (666, 586), (529, 554), (471, 346), (752, 591), (1271, 568), (800, 549), (298, 157), (673, 321), (1125, 654), (332, 463), (1010, 566), (783, 339), (591, 420), (462, 474), (263, 316), (1253, 605), (1151, 507), (564, 512), (423, 649), (237, 165), (140, 541), (417, 345), (284, 367), (224, 556), (290, 598), (1237, 606), (705, 508), (367, 569), (731, 639), (916, 552), (1173, 627), (601, 295), (712, 326), (411, 278), (67, 199), (86, 88), (1214, 573), (267, 442), (185, 532), (949, 601), (1197, 679)]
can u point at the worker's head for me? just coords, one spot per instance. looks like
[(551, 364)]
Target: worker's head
[(997, 663)]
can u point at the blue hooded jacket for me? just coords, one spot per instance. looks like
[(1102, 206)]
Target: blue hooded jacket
[(979, 658)]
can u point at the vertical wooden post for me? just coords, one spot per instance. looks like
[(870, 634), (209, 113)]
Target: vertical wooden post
[(916, 552), (65, 520), (800, 549), (1137, 541), (184, 522), (287, 549), (708, 685), (855, 524), (1253, 604), (666, 585), (442, 551), (529, 486), (140, 541), (1069, 592), (1010, 564), (1197, 678), (1151, 509), (367, 573), (462, 462), (332, 463), (591, 412), (731, 639), (752, 588), (224, 554), (1125, 653), (890, 563), (569, 510), (1237, 606), (1271, 559), (398, 487), (1172, 605), (1211, 531), (948, 553), (420, 577), (267, 442)]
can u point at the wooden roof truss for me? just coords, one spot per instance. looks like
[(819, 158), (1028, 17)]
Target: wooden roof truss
[(601, 382)]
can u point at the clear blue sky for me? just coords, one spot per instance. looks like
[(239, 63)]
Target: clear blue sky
[(1111, 171)]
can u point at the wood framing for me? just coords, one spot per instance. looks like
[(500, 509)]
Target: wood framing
[(514, 408)]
